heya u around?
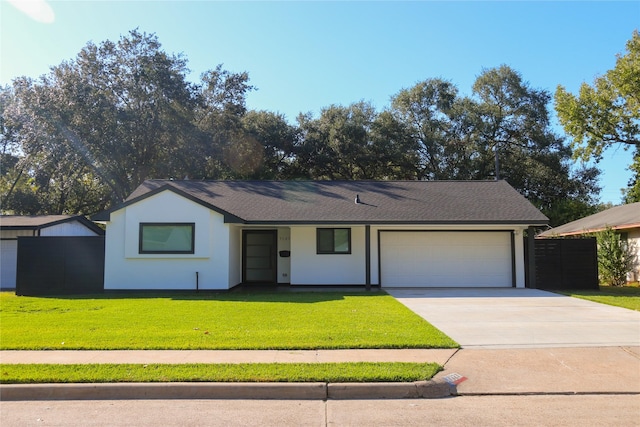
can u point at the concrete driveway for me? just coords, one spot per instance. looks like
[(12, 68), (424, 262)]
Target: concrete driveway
[(521, 318)]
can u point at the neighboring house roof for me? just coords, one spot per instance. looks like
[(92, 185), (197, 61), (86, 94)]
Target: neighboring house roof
[(35, 222), (401, 202), (618, 218)]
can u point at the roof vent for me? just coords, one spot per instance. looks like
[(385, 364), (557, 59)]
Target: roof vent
[(357, 199)]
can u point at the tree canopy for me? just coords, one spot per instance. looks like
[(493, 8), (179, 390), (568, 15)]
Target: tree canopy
[(82, 137), (607, 113), (116, 115)]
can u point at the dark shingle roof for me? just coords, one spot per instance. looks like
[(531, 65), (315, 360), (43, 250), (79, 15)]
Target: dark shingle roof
[(427, 202), (619, 218), (31, 221)]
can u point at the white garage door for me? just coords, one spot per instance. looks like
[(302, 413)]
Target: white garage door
[(8, 261), (445, 259)]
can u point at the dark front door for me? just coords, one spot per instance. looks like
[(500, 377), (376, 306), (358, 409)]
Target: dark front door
[(259, 256)]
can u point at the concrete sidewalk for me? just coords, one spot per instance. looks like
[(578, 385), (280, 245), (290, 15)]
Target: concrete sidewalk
[(593, 370)]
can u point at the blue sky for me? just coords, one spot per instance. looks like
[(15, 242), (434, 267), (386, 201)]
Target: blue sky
[(303, 56)]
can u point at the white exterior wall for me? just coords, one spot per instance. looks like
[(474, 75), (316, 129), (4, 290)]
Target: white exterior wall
[(284, 264), (519, 254), (126, 268), (235, 256), (310, 268), (518, 246), (71, 228)]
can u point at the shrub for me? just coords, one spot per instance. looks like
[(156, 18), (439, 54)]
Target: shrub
[(615, 257)]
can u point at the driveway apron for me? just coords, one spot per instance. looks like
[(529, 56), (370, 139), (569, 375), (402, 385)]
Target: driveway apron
[(521, 318)]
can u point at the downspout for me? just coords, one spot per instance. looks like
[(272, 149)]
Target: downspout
[(513, 260), (367, 256)]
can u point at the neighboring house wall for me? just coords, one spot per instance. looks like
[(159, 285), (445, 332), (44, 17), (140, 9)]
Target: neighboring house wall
[(8, 263), (9, 256), (127, 268), (9, 246), (633, 237), (14, 234), (71, 228)]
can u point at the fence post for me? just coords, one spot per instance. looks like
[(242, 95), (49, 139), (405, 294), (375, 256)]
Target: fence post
[(531, 261)]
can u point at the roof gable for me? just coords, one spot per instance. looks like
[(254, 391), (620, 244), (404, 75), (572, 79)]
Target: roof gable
[(399, 202), (139, 196)]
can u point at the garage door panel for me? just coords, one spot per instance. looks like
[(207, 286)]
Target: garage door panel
[(445, 259)]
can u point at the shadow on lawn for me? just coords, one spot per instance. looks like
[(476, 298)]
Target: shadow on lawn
[(239, 293)]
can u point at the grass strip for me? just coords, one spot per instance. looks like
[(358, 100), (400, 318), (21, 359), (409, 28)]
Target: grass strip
[(227, 372), (624, 296), (222, 321)]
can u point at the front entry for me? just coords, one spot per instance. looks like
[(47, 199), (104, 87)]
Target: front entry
[(259, 261)]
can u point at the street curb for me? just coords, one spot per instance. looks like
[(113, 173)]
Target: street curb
[(273, 391), (432, 389)]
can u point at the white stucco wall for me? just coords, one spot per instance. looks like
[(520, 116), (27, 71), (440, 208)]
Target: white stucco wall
[(235, 255), (310, 268), (126, 268), (284, 263), (519, 254)]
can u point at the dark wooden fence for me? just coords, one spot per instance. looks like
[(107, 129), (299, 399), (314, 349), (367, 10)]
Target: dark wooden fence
[(60, 265), (566, 264)]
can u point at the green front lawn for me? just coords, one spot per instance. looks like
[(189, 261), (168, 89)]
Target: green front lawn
[(269, 320), (252, 372), (624, 296)]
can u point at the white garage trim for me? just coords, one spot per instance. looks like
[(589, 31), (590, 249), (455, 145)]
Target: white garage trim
[(446, 258)]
